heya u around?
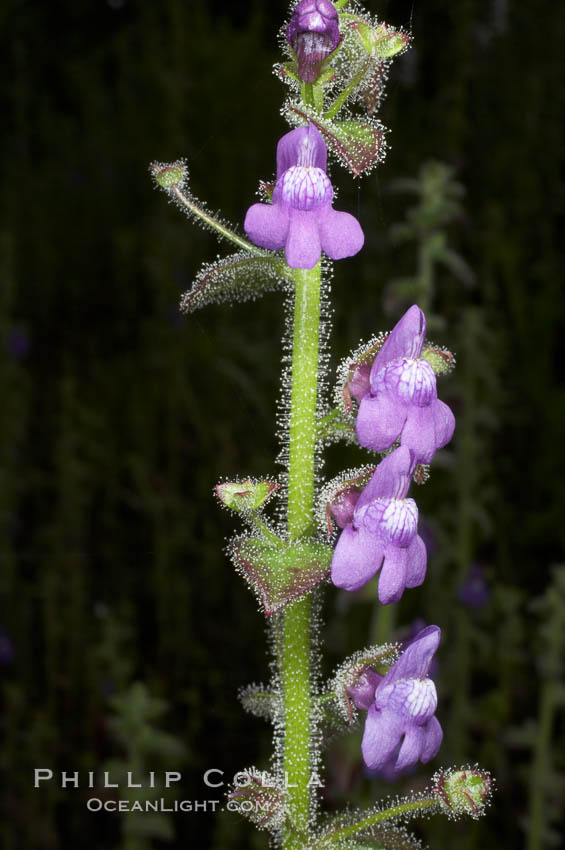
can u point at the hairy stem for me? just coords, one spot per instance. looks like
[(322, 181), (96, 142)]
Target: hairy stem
[(332, 838), (296, 639), (220, 228), (348, 90)]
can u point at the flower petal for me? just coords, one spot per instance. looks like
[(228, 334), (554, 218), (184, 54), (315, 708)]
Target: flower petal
[(433, 736), (302, 243), (391, 478), (267, 225), (444, 422), (383, 730), (417, 562), (416, 659), (303, 146), (392, 579), (411, 748), (419, 433), (379, 421), (405, 340), (356, 559), (340, 234)]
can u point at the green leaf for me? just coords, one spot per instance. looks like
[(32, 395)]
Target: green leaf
[(358, 144), (279, 574), (260, 701), (239, 277)]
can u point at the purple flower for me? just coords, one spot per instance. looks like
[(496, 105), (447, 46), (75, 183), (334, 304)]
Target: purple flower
[(383, 533), (301, 218), (313, 34), (403, 709), (7, 651), (18, 343), (474, 591), (402, 402)]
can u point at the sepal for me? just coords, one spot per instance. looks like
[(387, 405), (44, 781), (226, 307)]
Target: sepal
[(339, 496), (380, 41), (280, 573), (245, 496), (375, 658), (353, 372), (440, 359), (358, 144)]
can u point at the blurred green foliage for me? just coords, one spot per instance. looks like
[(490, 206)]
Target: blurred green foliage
[(118, 416)]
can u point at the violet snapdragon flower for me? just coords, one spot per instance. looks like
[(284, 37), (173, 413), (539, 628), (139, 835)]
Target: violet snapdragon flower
[(383, 534), (313, 34), (402, 402), (301, 218), (401, 708)]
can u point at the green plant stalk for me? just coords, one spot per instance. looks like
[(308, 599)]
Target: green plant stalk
[(220, 228), (332, 111), (350, 831), (296, 638)]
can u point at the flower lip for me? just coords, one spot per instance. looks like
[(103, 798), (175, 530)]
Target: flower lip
[(412, 380), (305, 187), (415, 699), (395, 521)]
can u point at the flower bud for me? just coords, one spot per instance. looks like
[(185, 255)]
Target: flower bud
[(463, 791), (169, 175), (313, 34), (246, 495)]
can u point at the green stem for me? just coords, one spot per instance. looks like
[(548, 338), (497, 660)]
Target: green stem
[(330, 423), (265, 531), (331, 839), (348, 90), (307, 94), (220, 228), (296, 621)]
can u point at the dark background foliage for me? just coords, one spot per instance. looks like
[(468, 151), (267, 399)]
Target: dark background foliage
[(118, 416)]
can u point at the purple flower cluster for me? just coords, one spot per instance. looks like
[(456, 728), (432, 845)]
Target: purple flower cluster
[(401, 726), (301, 218), (380, 531), (313, 34), (401, 402)]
